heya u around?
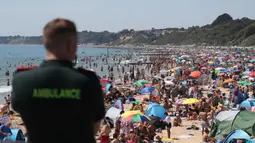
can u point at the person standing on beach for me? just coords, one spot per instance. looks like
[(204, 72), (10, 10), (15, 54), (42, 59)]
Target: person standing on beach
[(57, 90), (168, 124)]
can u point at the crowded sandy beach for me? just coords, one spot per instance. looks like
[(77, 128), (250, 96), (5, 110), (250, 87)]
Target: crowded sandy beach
[(168, 94)]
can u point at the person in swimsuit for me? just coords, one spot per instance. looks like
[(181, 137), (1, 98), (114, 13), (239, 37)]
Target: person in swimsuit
[(105, 133)]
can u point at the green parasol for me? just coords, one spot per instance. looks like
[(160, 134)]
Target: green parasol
[(141, 82)]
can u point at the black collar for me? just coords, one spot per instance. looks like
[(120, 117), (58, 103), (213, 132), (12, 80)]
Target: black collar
[(62, 63)]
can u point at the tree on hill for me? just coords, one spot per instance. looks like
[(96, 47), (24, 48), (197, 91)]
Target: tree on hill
[(221, 19), (250, 30)]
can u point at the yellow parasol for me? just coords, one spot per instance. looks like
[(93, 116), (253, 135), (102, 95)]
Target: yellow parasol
[(190, 101)]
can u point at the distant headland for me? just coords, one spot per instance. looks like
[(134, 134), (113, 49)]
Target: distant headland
[(224, 30)]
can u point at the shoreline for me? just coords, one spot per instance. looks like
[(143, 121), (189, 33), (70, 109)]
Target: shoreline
[(130, 46)]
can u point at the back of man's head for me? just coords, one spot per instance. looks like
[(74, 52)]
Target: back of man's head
[(57, 34)]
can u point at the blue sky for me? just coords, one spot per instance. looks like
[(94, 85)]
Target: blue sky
[(27, 17)]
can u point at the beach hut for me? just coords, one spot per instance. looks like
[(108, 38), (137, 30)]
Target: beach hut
[(17, 135), (227, 121)]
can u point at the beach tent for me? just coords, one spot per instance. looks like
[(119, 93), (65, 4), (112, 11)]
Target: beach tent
[(113, 113), (17, 135), (156, 110), (227, 121), (248, 103), (236, 134)]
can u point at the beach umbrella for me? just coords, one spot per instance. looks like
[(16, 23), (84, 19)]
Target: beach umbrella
[(147, 85), (192, 68), (167, 82), (203, 68), (244, 77), (252, 74), (135, 116), (190, 101), (156, 77), (135, 102), (244, 83), (169, 78), (250, 65), (195, 74), (225, 71), (179, 101), (104, 80), (236, 71), (248, 103), (163, 71), (185, 56), (147, 89), (141, 82), (219, 68), (156, 110), (252, 61)]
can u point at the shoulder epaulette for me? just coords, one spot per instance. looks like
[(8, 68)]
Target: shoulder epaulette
[(23, 68)]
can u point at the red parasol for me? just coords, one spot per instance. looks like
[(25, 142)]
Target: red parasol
[(195, 74), (252, 74)]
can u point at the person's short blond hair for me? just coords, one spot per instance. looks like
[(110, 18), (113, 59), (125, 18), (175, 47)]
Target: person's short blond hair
[(57, 31)]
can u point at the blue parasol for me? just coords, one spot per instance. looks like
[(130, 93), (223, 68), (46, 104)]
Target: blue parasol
[(147, 89)]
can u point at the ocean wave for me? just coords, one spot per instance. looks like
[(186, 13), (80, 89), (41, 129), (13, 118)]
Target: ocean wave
[(5, 89)]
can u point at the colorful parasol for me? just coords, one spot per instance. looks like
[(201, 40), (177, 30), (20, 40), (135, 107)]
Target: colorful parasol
[(190, 101), (141, 82), (135, 102), (252, 74), (135, 116), (179, 101), (195, 74)]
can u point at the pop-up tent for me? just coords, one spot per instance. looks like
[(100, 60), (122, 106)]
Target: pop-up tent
[(237, 134), (227, 121), (17, 135)]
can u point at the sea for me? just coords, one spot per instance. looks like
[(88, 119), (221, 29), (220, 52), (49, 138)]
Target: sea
[(12, 56)]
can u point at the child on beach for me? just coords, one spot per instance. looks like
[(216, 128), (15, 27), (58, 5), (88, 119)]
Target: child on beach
[(206, 138)]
